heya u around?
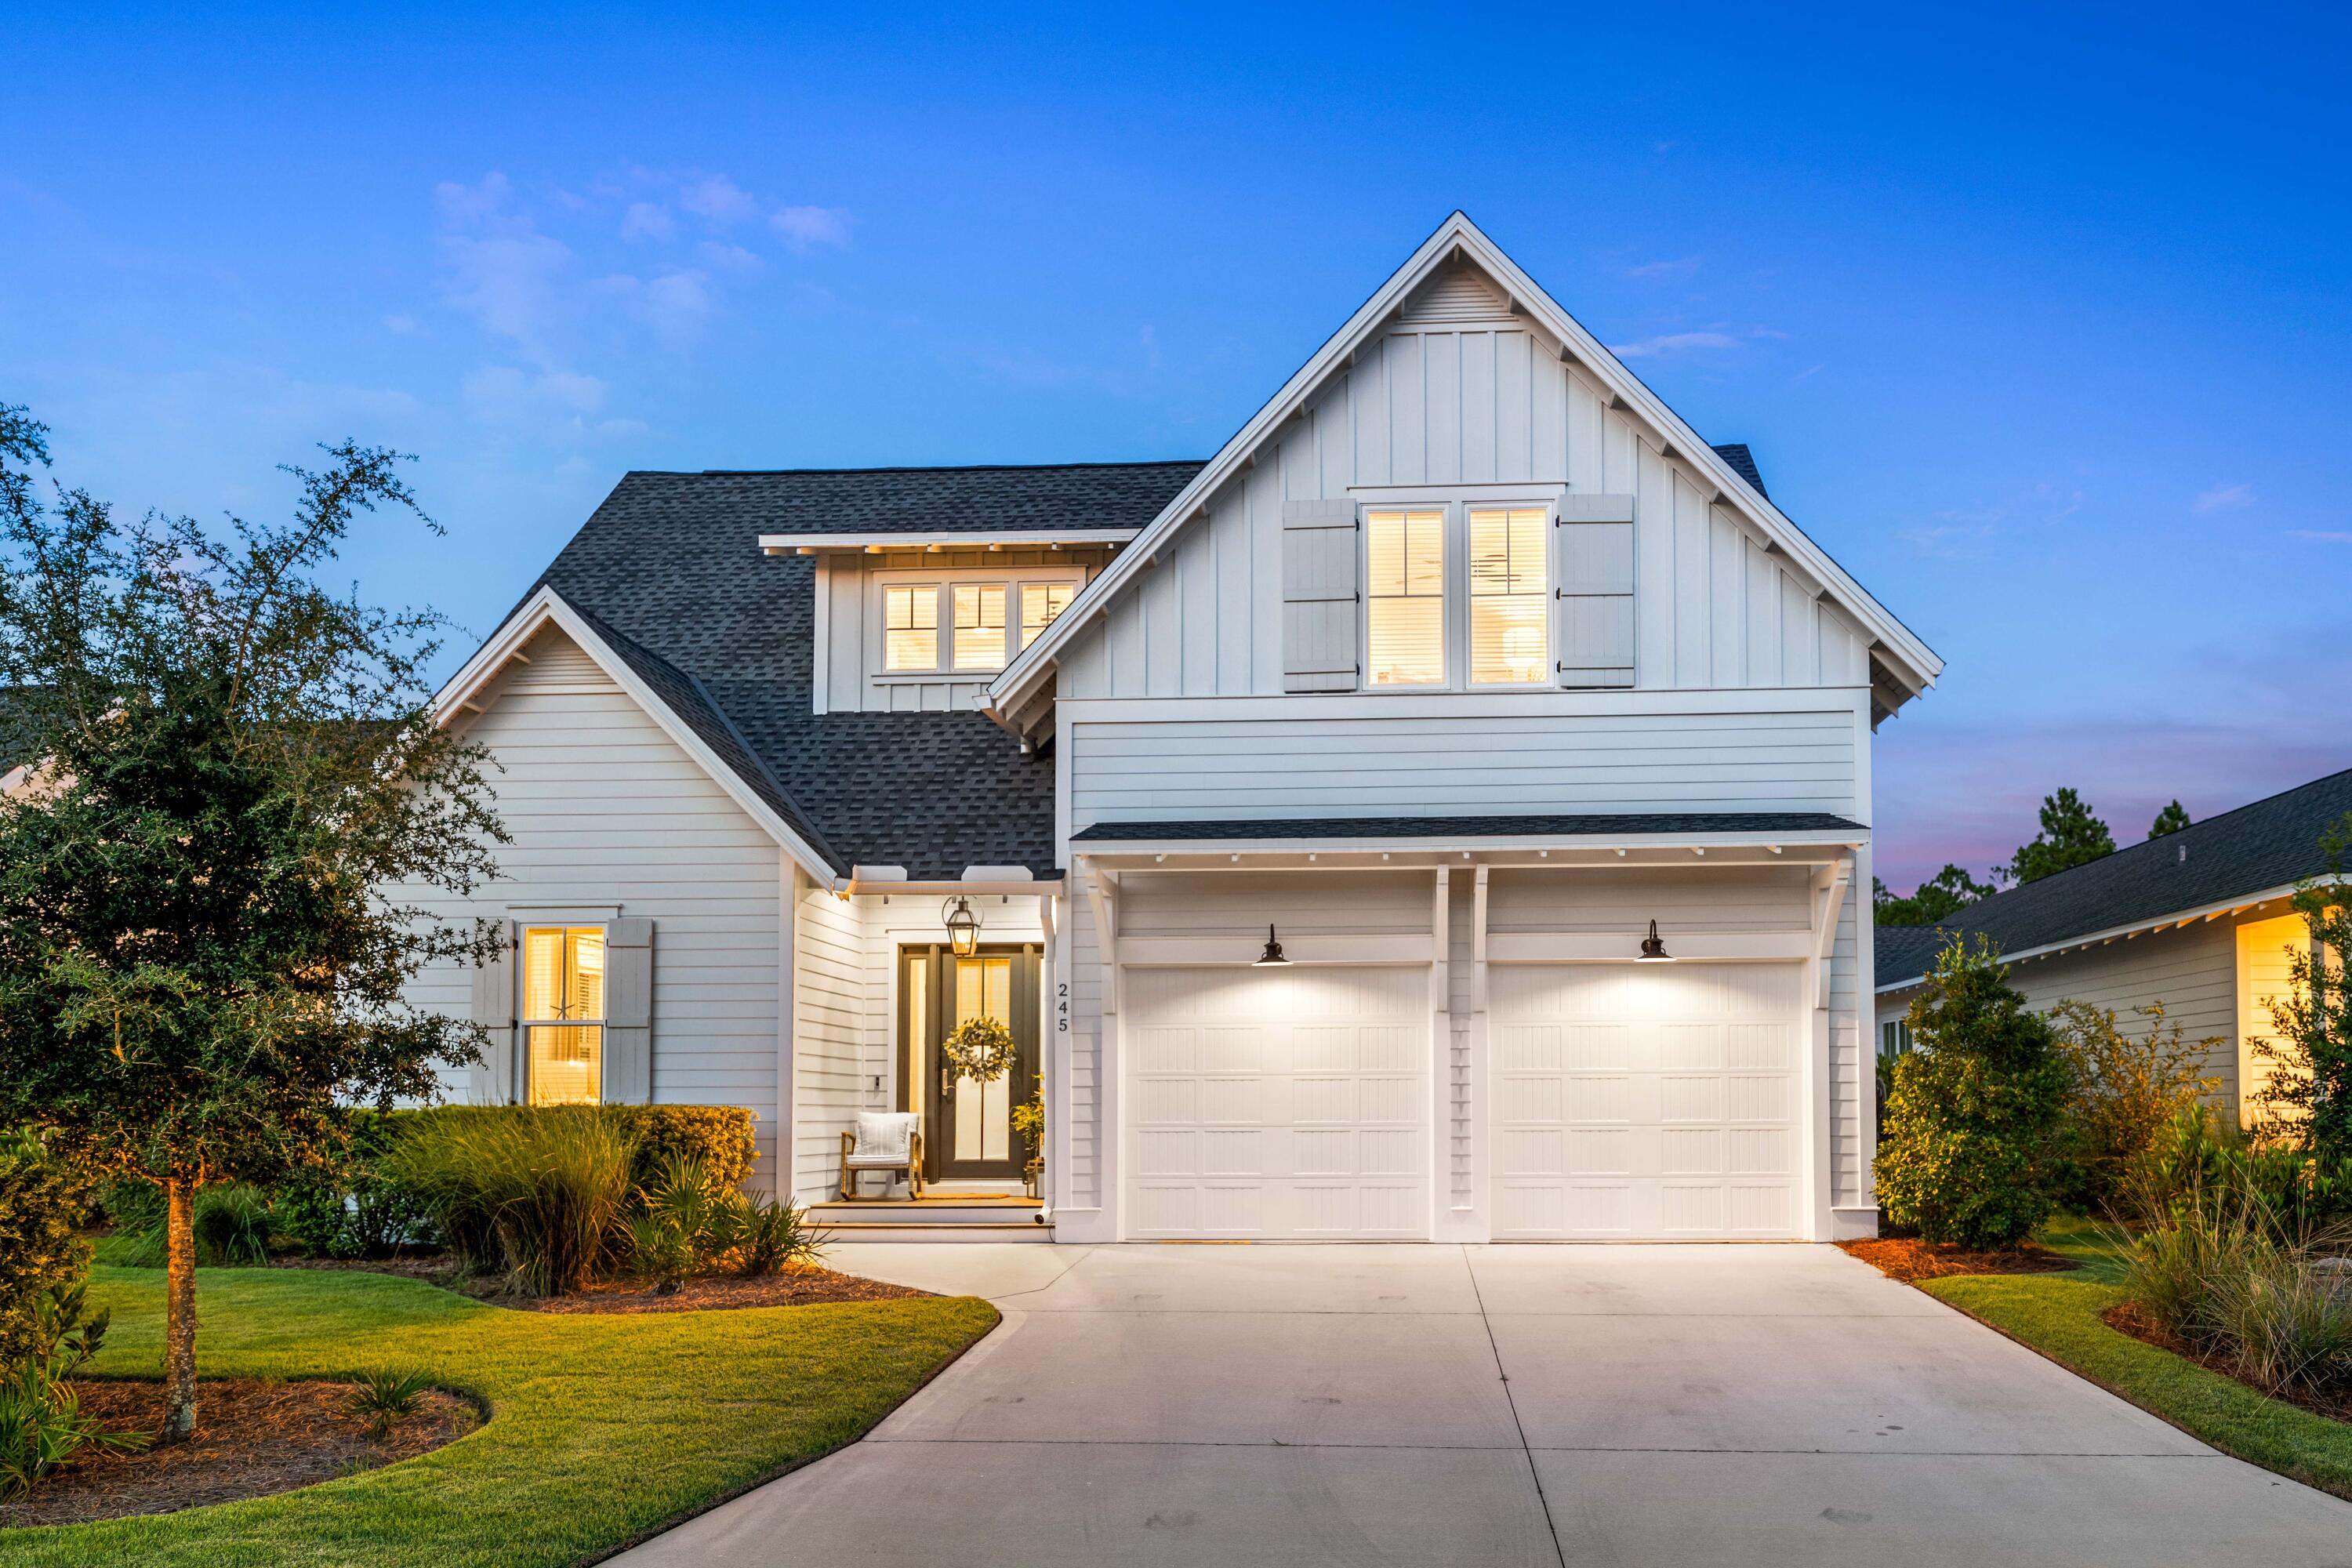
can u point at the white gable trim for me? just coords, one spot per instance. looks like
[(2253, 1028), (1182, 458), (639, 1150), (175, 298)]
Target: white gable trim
[(547, 608), (1659, 424)]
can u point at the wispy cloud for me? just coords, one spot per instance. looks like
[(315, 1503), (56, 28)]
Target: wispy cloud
[(717, 198), (805, 226), (728, 257), (646, 220), (496, 266), (1666, 344), (2222, 498), (1682, 268), (2320, 535)]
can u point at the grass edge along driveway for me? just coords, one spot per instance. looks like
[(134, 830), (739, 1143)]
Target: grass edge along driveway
[(2058, 1315), (603, 1427)]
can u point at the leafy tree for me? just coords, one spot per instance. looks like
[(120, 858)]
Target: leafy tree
[(2171, 819), (2072, 835), (207, 894), (2127, 1089), (1974, 1146), (2310, 1058), (1940, 897)]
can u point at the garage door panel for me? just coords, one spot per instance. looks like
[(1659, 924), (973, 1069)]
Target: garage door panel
[(1307, 1096), (1671, 1113), (1166, 1050)]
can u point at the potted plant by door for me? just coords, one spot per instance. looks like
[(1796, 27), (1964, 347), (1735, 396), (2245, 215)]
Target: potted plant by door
[(1029, 1126)]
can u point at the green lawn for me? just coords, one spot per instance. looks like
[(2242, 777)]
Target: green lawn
[(2058, 1314), (602, 1426)]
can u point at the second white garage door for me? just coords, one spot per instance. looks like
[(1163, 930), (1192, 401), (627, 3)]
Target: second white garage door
[(1644, 1100), (1286, 1102)]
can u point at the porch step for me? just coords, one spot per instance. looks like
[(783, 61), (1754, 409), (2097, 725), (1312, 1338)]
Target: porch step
[(973, 1208), (1028, 1230)]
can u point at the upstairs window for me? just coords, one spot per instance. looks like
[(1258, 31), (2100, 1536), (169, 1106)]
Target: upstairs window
[(910, 627), (1040, 603), (1509, 596), (1405, 598), (980, 625)]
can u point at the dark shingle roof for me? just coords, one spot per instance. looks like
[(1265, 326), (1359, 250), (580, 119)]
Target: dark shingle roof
[(1743, 463), (2270, 844), (1746, 821), (669, 570)]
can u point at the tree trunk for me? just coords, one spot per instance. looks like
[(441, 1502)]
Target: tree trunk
[(179, 1313)]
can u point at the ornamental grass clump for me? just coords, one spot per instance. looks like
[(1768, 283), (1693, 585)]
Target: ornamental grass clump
[(1973, 1149), (540, 1192)]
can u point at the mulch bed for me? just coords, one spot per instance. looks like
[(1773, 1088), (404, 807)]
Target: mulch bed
[(793, 1288), (2131, 1318), (253, 1437), (805, 1287), (1909, 1258)]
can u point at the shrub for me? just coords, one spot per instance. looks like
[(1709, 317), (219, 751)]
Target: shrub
[(719, 1136), (42, 1427), (232, 1227), (687, 1220), (2125, 1091), (42, 1199), (1973, 1125), (774, 1236), (540, 1191), (386, 1398), (351, 1208)]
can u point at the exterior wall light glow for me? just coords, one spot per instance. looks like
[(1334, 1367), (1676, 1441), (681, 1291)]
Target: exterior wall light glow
[(1653, 948), (1271, 957), (963, 928)]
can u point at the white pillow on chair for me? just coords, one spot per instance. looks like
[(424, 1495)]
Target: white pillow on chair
[(884, 1136)]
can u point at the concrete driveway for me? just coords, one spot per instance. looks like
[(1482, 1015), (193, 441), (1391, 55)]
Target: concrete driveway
[(1494, 1405)]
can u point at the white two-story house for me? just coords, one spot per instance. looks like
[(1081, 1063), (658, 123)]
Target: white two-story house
[(1462, 671)]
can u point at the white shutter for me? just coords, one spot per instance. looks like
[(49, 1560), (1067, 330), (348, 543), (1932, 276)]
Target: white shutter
[(628, 1011), (1318, 596), (1596, 591), (493, 1077)]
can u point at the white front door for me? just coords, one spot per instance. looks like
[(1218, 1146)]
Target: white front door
[(1281, 1103), (1645, 1101)]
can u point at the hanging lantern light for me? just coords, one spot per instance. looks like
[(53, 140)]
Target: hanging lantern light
[(963, 928), (1271, 957), (1653, 948)]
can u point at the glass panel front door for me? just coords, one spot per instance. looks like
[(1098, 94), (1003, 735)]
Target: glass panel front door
[(982, 1111), (967, 1124)]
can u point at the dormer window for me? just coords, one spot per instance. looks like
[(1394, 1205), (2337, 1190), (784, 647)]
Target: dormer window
[(965, 623)]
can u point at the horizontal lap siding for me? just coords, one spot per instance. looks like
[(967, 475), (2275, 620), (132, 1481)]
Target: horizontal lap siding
[(605, 809), (2192, 971), (828, 1025), (1741, 899), (1141, 771)]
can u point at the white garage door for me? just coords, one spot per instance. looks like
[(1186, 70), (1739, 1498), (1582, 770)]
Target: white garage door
[(1644, 1100), (1277, 1103)]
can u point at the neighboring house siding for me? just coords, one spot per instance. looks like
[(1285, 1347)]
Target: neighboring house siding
[(1442, 406), (849, 674), (605, 809), (2192, 969), (1442, 756)]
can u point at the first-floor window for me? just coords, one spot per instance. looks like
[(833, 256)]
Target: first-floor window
[(563, 1014), (1894, 1037), (910, 627), (1406, 608)]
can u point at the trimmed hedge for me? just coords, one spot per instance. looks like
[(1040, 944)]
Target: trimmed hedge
[(42, 1201)]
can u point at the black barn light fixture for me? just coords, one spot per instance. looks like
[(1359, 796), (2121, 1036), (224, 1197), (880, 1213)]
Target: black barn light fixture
[(1271, 957), (1653, 948), (963, 928)]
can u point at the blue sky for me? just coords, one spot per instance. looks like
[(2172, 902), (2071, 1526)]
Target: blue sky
[(2039, 323)]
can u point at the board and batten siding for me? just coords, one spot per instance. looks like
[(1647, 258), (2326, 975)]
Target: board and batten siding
[(1445, 401), (606, 811)]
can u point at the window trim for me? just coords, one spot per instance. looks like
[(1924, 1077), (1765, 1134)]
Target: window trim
[(1457, 508), (525, 1023), (943, 582)]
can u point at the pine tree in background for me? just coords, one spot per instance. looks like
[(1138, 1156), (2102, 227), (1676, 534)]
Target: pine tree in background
[(1940, 897), (2171, 819), (2072, 835)]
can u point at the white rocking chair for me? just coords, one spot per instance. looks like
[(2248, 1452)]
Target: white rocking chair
[(888, 1142)]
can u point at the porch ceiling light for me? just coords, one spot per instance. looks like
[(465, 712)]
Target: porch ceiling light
[(963, 928), (1271, 957), (1653, 948)]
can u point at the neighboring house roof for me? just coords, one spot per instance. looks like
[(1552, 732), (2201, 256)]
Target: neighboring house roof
[(1748, 823), (2256, 848), (1743, 463), (669, 572)]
